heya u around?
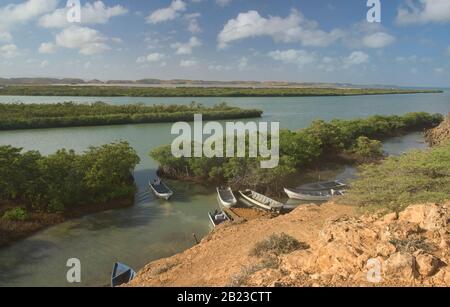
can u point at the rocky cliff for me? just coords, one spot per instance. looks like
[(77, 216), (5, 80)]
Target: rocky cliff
[(440, 134), (339, 248)]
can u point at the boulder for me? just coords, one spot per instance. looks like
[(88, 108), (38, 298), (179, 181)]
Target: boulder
[(429, 216), (385, 249), (427, 264), (400, 266)]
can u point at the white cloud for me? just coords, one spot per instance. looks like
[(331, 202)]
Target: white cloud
[(356, 58), (188, 63), (192, 21), (292, 56), (223, 3), (88, 41), (186, 48), (328, 64), (424, 11), (243, 63), (9, 51), (91, 13), (378, 40), (219, 68), (367, 35), (47, 48), (439, 70), (168, 13), (44, 64), (331, 64), (5, 37), (294, 28), (151, 58), (412, 59), (12, 15)]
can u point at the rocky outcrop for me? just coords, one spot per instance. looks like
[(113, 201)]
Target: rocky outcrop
[(410, 248), (440, 134)]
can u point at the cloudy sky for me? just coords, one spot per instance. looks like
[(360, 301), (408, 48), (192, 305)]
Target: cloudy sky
[(289, 40)]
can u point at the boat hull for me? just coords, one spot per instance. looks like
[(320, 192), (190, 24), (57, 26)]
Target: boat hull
[(215, 222), (166, 195), (261, 205), (226, 203), (121, 274), (304, 196)]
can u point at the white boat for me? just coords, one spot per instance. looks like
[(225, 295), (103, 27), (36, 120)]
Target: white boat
[(323, 186), (226, 197), (160, 189), (218, 217), (261, 201), (319, 195)]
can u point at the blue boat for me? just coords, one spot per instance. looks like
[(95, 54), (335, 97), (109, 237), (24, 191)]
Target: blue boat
[(121, 274)]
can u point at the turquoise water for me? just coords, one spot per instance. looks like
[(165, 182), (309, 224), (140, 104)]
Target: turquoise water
[(152, 229)]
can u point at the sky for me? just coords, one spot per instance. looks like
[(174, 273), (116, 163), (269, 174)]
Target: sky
[(261, 40)]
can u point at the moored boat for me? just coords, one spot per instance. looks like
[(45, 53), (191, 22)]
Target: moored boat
[(121, 274), (261, 201), (318, 195), (218, 217), (160, 189), (323, 186), (226, 197)]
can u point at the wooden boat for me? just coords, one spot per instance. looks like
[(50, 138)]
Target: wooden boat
[(218, 217), (160, 189), (323, 186), (320, 195), (121, 274), (226, 197), (261, 201)]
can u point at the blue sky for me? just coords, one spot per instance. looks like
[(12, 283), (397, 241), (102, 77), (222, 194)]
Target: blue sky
[(284, 40)]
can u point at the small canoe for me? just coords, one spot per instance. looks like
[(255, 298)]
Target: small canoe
[(121, 274), (261, 201), (160, 189), (320, 195), (226, 197), (218, 217)]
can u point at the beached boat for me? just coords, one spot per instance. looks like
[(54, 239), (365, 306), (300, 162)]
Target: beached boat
[(226, 197), (121, 274), (218, 217), (261, 201), (160, 189), (323, 186), (312, 195)]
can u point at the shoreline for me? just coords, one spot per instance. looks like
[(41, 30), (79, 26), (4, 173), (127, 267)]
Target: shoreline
[(19, 116), (192, 92), (14, 231), (337, 241)]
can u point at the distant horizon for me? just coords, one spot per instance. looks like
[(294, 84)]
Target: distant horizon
[(327, 41), (237, 81)]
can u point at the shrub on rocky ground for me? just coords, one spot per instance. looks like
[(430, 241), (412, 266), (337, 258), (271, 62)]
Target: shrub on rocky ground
[(278, 244)]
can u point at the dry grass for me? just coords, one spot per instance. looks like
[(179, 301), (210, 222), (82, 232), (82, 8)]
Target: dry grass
[(277, 244)]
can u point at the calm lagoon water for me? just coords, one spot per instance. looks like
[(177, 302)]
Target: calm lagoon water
[(152, 229)]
